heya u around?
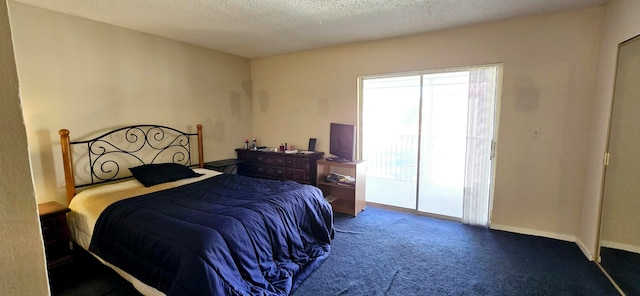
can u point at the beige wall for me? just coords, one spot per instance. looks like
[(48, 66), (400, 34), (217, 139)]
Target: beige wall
[(22, 251), (549, 72), (621, 22), (87, 76)]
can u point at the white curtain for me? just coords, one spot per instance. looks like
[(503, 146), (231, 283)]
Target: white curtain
[(482, 96)]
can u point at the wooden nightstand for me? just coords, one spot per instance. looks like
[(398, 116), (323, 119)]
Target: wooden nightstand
[(55, 232), (344, 199)]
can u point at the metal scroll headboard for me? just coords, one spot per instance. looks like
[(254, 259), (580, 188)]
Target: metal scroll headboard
[(106, 158)]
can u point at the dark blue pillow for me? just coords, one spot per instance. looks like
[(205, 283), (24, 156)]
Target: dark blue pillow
[(158, 173)]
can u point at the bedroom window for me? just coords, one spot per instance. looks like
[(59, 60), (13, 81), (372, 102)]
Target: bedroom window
[(428, 140)]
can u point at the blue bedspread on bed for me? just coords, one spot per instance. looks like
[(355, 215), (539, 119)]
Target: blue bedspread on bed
[(226, 235)]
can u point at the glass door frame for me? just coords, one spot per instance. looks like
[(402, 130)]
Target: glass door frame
[(496, 124)]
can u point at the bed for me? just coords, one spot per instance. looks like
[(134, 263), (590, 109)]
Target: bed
[(142, 206)]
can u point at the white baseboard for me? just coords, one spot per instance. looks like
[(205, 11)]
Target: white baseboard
[(619, 246), (563, 237), (585, 250), (553, 235)]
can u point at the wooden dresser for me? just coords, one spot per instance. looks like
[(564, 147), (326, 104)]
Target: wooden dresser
[(301, 168)]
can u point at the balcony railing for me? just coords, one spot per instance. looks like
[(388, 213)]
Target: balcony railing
[(397, 160)]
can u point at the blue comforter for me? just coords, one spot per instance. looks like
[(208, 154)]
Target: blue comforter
[(226, 235)]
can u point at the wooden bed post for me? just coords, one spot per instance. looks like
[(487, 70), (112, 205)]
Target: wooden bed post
[(200, 152), (69, 181)]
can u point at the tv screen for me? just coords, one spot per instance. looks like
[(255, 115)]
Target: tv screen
[(342, 142)]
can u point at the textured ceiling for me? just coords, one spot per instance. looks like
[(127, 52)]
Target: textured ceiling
[(257, 28)]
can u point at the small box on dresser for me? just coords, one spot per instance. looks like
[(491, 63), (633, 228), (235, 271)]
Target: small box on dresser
[(55, 233)]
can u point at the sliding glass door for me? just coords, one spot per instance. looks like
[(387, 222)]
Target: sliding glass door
[(427, 139), (390, 121), (442, 150)]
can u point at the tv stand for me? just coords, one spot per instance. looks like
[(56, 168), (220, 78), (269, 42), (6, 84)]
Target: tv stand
[(344, 198), (337, 159)]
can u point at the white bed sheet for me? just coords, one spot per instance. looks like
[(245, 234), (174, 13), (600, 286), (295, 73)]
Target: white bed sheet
[(88, 204)]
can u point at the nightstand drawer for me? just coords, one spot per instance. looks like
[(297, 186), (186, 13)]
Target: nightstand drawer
[(55, 228), (49, 229)]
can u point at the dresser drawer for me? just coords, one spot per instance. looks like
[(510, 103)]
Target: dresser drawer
[(298, 163), (270, 160), (274, 172), (300, 176), (246, 156)]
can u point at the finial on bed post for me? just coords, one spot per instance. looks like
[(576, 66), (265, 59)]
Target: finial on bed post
[(200, 152), (69, 181)]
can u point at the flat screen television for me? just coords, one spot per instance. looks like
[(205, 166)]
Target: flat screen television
[(342, 142)]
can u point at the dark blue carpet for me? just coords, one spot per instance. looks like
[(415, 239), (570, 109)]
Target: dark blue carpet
[(384, 252), (85, 276), (623, 267)]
